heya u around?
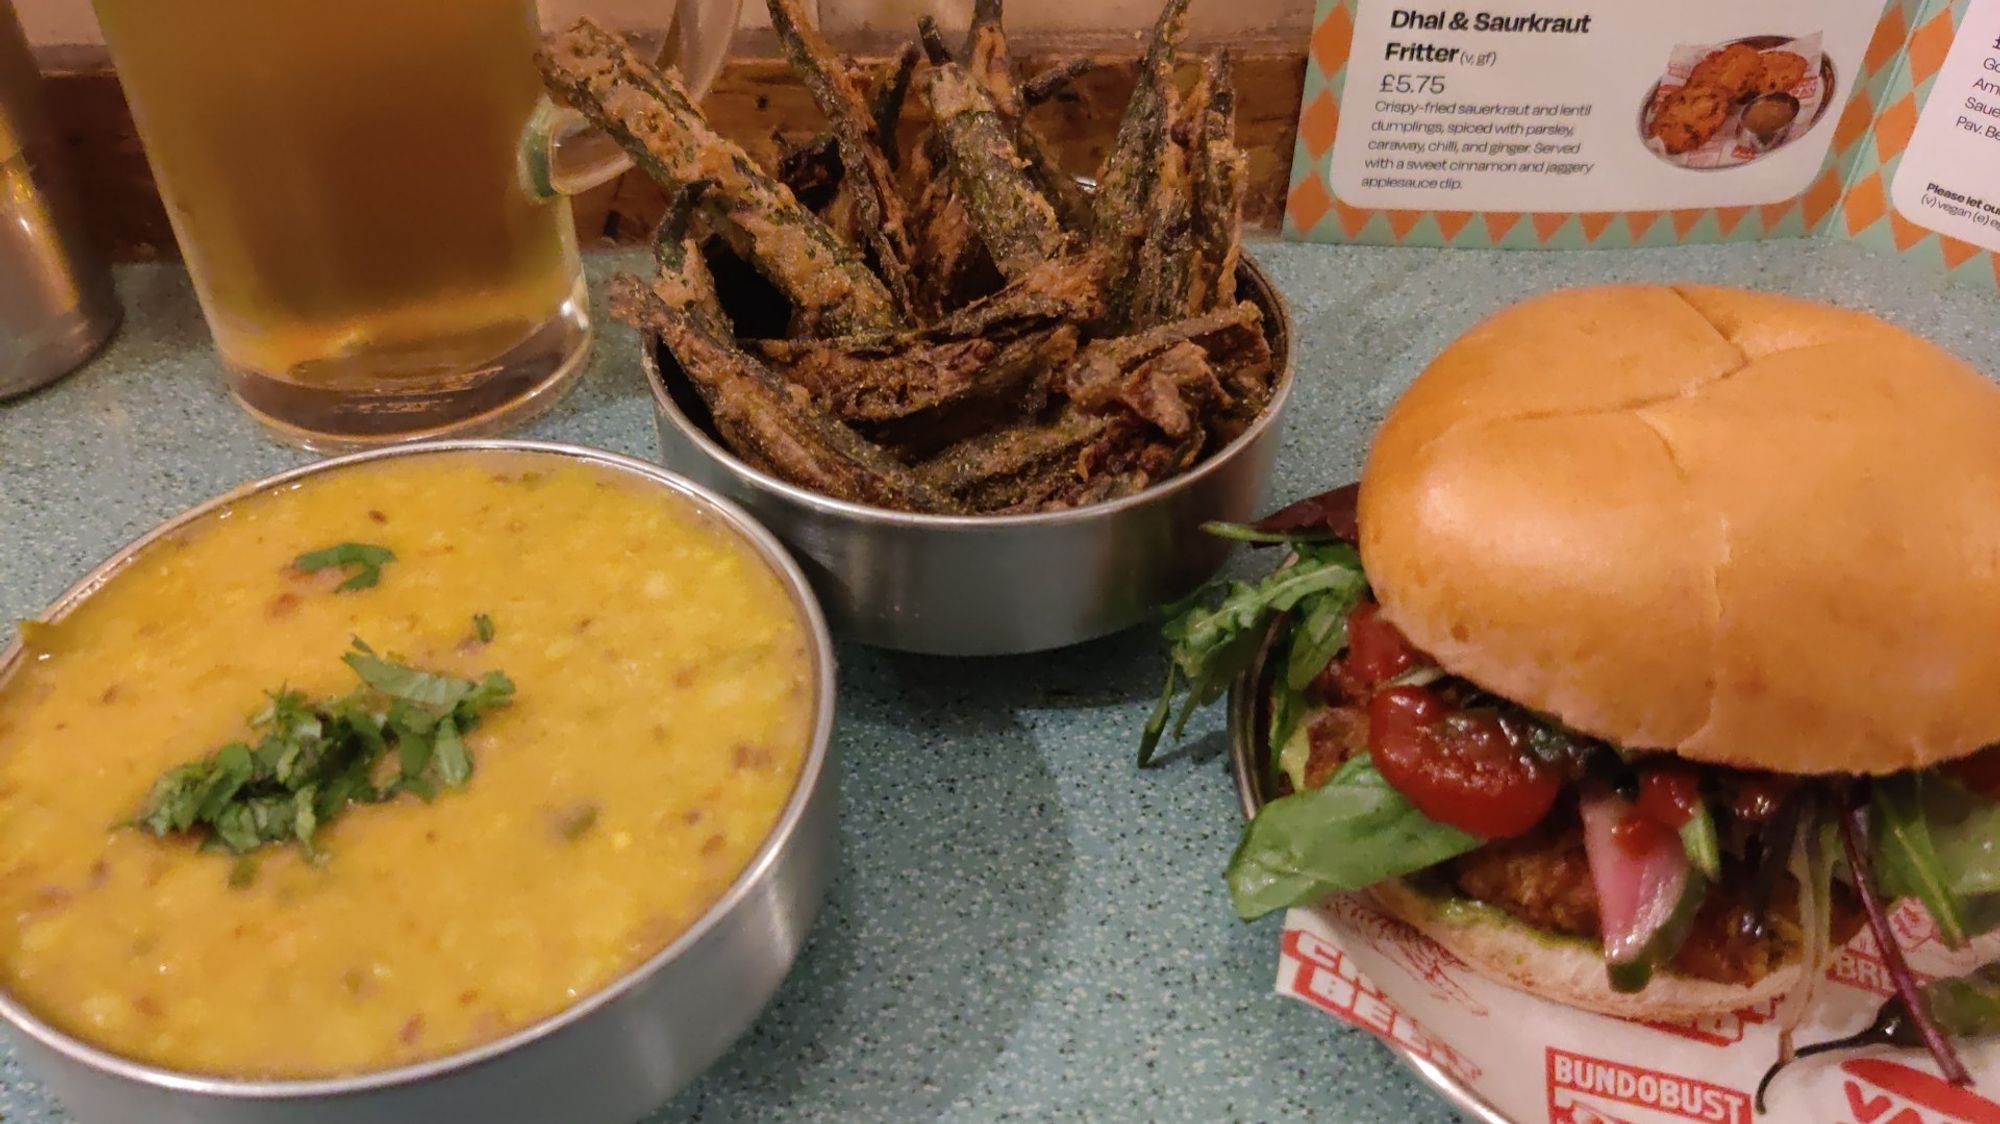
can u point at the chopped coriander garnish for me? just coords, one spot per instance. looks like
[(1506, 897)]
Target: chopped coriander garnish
[(312, 760), (364, 560), (482, 627)]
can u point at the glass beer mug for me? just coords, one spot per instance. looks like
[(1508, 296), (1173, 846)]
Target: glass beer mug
[(354, 187)]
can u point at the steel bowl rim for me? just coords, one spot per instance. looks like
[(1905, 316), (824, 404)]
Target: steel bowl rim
[(1247, 769), (1268, 299), (813, 772)]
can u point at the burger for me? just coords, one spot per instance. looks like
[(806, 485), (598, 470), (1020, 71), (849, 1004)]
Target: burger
[(1656, 652)]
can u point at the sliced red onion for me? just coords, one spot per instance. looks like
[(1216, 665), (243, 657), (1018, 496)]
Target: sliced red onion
[(1639, 891)]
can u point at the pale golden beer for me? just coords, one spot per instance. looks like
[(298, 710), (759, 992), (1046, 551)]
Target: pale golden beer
[(344, 180)]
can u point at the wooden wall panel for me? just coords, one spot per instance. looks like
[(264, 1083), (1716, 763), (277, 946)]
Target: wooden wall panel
[(756, 102)]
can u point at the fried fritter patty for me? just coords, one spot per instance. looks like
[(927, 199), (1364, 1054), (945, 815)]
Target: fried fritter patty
[(1543, 879), (1730, 70), (1778, 72), (1335, 734), (1688, 116)]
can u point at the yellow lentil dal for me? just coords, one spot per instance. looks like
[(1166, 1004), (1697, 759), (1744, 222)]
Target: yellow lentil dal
[(665, 704)]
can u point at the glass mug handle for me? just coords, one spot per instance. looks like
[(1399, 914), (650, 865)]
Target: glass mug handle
[(563, 154)]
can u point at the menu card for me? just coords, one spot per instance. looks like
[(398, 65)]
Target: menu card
[(1580, 123)]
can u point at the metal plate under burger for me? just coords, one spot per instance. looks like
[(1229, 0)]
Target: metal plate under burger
[(1250, 766)]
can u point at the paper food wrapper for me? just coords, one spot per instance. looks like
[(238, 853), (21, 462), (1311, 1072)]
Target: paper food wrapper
[(1534, 1060), (1726, 148)]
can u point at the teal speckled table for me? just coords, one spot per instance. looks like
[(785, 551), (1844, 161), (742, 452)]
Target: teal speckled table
[(1023, 928)]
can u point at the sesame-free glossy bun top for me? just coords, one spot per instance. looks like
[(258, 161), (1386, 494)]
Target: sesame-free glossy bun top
[(1749, 529)]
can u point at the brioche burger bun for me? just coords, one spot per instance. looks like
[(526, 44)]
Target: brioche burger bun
[(1570, 972), (1752, 530), (1747, 530)]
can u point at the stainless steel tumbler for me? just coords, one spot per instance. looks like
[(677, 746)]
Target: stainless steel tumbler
[(56, 303)]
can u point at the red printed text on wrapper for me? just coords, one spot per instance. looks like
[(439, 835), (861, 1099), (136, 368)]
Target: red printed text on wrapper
[(1327, 978), (1589, 1090), (1859, 965), (1880, 1091), (1428, 962)]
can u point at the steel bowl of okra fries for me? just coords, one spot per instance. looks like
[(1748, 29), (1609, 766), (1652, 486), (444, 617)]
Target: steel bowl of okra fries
[(986, 404)]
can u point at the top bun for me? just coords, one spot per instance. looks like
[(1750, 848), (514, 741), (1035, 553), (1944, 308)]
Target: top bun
[(1751, 530)]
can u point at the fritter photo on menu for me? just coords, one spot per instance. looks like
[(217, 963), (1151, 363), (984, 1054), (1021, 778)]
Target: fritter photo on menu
[(1729, 104)]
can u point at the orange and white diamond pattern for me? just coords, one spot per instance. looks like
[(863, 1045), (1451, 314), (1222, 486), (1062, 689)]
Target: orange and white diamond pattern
[(1874, 127), (1864, 212)]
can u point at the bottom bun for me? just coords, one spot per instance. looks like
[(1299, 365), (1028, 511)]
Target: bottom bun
[(1565, 970)]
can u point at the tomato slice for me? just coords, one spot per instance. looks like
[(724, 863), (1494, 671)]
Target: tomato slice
[(1466, 770), (1376, 653), (1670, 794), (1639, 833), (1979, 772), (1376, 649)]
